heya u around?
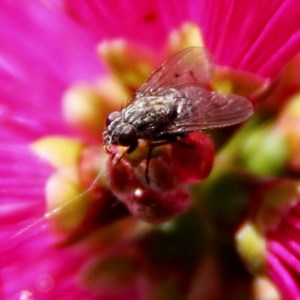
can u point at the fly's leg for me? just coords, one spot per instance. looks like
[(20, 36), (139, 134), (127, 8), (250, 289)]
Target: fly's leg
[(151, 147)]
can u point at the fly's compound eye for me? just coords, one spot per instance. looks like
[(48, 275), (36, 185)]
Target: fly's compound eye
[(112, 116), (127, 136)]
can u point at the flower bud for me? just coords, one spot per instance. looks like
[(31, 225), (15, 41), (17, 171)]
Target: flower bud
[(154, 206), (192, 158)]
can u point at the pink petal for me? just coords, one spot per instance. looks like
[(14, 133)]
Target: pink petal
[(282, 278), (283, 255), (257, 36), (42, 53)]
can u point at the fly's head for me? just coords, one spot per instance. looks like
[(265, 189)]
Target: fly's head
[(118, 132)]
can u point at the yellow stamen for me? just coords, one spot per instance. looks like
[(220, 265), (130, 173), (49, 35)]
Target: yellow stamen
[(112, 92), (84, 108), (58, 151), (130, 63), (66, 204), (188, 35), (292, 109), (264, 289), (251, 246)]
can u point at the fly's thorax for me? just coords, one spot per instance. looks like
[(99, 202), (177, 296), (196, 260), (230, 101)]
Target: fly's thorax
[(148, 114)]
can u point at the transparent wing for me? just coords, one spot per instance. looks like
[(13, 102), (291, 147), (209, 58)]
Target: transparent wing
[(191, 66), (198, 108)]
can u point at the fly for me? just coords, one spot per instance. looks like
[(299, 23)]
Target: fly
[(175, 100)]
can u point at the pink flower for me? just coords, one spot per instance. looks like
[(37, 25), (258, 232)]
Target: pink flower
[(93, 249)]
